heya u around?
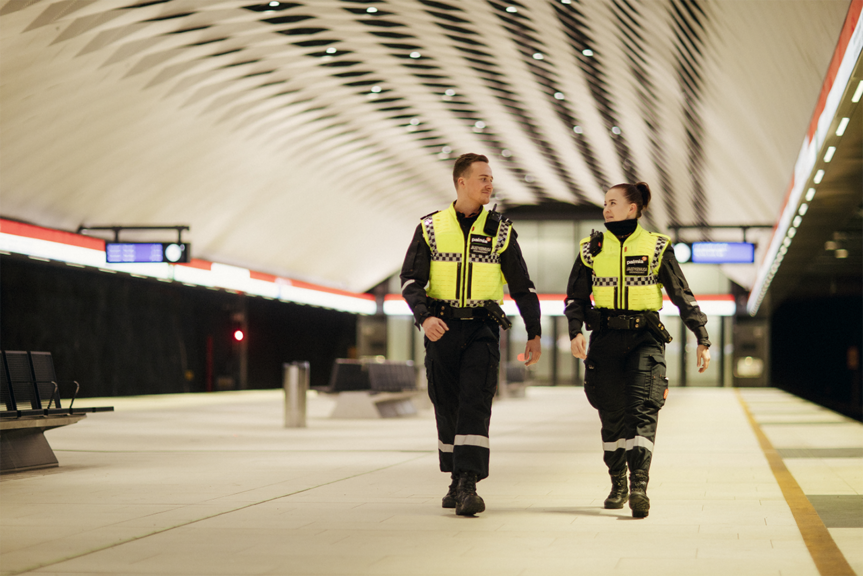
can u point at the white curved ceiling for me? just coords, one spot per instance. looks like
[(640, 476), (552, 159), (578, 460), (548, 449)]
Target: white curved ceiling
[(307, 138)]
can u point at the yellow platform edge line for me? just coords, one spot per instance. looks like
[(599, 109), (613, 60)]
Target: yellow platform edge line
[(828, 558)]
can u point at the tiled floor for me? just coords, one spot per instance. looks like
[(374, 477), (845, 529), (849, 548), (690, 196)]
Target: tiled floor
[(211, 485)]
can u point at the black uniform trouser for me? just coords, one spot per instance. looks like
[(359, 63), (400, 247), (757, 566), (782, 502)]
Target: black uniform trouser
[(625, 380), (462, 378)]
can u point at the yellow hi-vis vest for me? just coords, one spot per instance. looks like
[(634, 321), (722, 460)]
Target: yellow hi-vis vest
[(465, 272), (627, 276)]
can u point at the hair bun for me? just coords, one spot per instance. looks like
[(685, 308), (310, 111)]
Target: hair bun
[(645, 193)]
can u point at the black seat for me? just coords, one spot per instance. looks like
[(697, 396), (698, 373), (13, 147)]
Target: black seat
[(46, 380), (21, 384), (392, 376), (9, 408), (349, 375)]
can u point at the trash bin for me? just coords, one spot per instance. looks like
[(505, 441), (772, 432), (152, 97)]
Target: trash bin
[(295, 379)]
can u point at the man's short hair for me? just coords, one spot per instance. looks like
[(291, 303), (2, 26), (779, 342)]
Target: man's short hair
[(463, 164)]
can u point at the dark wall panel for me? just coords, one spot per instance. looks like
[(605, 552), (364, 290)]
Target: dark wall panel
[(816, 351), (119, 335)]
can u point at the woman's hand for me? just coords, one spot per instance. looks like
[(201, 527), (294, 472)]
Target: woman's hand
[(578, 347), (702, 358)]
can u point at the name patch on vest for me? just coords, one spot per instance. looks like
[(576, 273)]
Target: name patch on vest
[(637, 265), (480, 245)]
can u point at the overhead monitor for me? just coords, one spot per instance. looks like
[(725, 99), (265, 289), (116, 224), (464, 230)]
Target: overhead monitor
[(723, 252), (142, 252)]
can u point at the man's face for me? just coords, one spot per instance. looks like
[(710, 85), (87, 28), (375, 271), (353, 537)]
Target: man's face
[(477, 182)]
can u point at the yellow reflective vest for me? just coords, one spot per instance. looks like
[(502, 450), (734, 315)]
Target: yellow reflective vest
[(627, 276), (465, 272)]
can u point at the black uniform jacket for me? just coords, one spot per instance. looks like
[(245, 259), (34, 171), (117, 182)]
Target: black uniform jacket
[(580, 285), (417, 266)]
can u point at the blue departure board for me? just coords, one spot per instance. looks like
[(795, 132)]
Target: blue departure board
[(144, 252), (723, 252)]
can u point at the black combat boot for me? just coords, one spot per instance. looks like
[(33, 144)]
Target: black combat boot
[(639, 503), (619, 492), (468, 502), (450, 498)]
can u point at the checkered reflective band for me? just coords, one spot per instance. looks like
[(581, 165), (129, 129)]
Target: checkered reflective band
[(585, 252), (502, 231), (474, 303), (605, 281), (492, 258), (641, 280), (660, 244)]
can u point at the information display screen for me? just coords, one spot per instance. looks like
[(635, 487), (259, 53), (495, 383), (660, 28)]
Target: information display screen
[(723, 252), (143, 252)]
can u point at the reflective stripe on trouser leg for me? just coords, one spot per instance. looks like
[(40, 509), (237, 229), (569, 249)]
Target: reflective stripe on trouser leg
[(613, 443), (462, 375)]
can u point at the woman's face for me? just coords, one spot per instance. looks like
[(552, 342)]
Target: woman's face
[(617, 207)]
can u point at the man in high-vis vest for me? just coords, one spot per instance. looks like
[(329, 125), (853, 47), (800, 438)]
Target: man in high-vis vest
[(453, 278)]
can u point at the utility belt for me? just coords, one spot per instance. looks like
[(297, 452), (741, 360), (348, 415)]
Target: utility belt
[(604, 319), (490, 310)]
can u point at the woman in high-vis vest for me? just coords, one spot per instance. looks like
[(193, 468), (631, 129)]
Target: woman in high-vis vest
[(625, 268)]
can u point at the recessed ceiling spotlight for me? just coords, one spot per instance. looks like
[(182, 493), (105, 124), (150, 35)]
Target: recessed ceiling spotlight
[(505, 153), (480, 124), (512, 9), (538, 56), (331, 50), (376, 89), (615, 130), (828, 156), (840, 130), (415, 121), (587, 52), (858, 93), (446, 149), (415, 54), (450, 92), (371, 10), (804, 208), (796, 222), (274, 4), (818, 177), (529, 178), (559, 96), (792, 232), (566, 1), (578, 129), (810, 194)]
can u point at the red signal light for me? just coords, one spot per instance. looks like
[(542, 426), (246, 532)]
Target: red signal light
[(239, 335)]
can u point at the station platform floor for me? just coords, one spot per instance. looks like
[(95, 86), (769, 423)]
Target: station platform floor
[(744, 482)]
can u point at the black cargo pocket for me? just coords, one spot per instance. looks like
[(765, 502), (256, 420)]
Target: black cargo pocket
[(590, 383), (658, 382)]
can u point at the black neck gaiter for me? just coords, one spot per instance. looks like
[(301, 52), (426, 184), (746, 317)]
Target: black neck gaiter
[(622, 228)]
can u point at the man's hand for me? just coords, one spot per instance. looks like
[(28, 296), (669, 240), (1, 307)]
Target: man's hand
[(532, 351), (577, 346), (434, 328), (702, 358)]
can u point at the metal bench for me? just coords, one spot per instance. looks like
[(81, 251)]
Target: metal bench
[(29, 388), (374, 389)]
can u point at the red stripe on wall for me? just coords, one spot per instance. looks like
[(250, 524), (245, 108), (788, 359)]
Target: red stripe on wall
[(39, 233)]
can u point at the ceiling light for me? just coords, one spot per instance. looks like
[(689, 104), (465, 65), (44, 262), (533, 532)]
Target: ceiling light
[(566, 1), (842, 253), (615, 130), (830, 245), (803, 208), (512, 9), (783, 250), (415, 121), (505, 153), (415, 54), (858, 93), (810, 194), (371, 9), (818, 177), (331, 50), (446, 149), (450, 92), (274, 4), (587, 52), (796, 222), (559, 96), (828, 156), (840, 130), (577, 129), (787, 241), (792, 232), (376, 89), (528, 178), (538, 56), (480, 124)]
